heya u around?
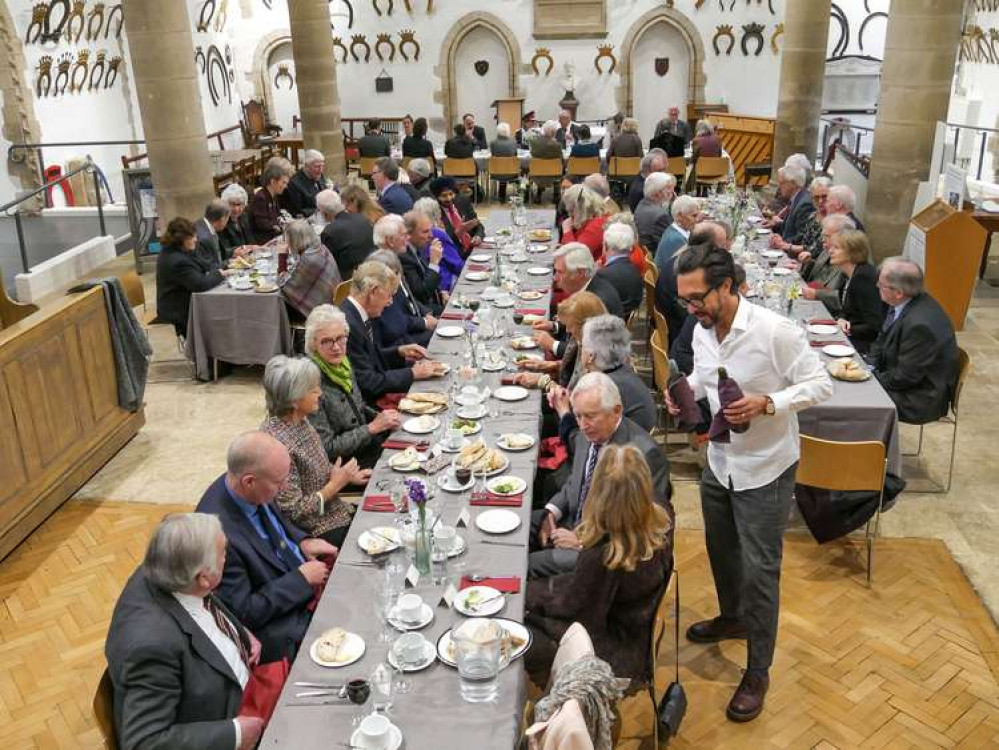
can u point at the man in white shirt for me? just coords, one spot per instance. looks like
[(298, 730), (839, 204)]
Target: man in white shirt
[(747, 486), (178, 659)]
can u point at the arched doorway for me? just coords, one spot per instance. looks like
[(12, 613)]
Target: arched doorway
[(282, 85)]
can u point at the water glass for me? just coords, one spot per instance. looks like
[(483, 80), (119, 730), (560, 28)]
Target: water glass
[(438, 562), (381, 681), (477, 648)]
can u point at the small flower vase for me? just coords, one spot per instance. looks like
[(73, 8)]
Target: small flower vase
[(421, 546)]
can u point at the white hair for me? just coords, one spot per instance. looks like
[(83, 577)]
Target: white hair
[(550, 128), (388, 258), (799, 160), (234, 193), (618, 238), (328, 202), (577, 257), (598, 184), (610, 396), (310, 156), (606, 337), (795, 174), (322, 317), (656, 183), (421, 167), (837, 223), (685, 205), (372, 275), (503, 130), (844, 194), (286, 381), (430, 208), (389, 225), (820, 182), (181, 547)]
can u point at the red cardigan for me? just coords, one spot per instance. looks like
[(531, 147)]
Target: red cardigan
[(590, 234)]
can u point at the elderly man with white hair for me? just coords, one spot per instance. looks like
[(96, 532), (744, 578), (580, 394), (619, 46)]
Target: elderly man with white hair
[(420, 174), (178, 659), (842, 200), (618, 270), (686, 211), (791, 182), (545, 146), (236, 238), (597, 406), (656, 160), (299, 198), (575, 270), (348, 236), (568, 131), (652, 214)]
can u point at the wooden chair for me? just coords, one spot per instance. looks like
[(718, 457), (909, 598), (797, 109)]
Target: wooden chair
[(134, 291), (341, 293), (623, 168), (963, 367), (711, 171), (462, 170), (12, 311), (104, 711), (256, 123), (660, 374), (677, 166), (245, 172), (649, 278), (846, 467), (582, 166), (543, 173), (365, 167), (502, 169)]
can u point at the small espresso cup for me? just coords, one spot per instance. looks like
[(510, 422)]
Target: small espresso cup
[(410, 647), (409, 607), (375, 732)]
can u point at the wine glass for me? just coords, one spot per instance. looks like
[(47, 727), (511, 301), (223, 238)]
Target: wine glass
[(473, 304)]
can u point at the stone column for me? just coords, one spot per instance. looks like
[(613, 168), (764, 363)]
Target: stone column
[(315, 70), (802, 74), (920, 56), (166, 84)]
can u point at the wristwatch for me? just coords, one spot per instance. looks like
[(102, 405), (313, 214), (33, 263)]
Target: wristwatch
[(770, 408)]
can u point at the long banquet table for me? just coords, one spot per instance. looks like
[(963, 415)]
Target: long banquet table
[(432, 713)]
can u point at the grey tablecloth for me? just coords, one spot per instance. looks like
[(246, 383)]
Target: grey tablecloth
[(243, 328), (432, 714)]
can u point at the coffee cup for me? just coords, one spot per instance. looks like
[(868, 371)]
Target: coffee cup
[(454, 438), (409, 607), (445, 536), (410, 647), (374, 732)]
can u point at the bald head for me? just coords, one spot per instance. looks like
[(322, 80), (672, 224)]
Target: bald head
[(717, 231), (257, 467)]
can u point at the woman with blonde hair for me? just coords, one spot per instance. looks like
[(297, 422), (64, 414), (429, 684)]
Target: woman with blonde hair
[(587, 215), (357, 200), (573, 312), (625, 560), (862, 310)]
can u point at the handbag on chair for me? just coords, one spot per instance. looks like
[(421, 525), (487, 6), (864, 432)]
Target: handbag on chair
[(673, 706)]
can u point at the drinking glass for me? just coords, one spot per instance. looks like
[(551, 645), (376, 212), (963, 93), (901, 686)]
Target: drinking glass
[(477, 650), (438, 563), (381, 687)]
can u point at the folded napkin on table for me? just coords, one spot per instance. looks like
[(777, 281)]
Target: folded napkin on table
[(822, 322), (825, 343), (531, 310), (479, 267), (506, 584), (455, 316), (378, 504), (505, 501), (400, 444)]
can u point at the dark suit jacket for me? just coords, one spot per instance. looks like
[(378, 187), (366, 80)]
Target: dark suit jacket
[(636, 398), (402, 322), (560, 134), (458, 148), (263, 210), (567, 498), (651, 219), (607, 293), (466, 211), (636, 193), (395, 200), (862, 306), (585, 150), (373, 145), (418, 190), (209, 247), (417, 148), (543, 147), (798, 214), (626, 280), (424, 283), (236, 234), (378, 368), (349, 238), (267, 597), (666, 301), (299, 198), (479, 137), (178, 275), (916, 361)]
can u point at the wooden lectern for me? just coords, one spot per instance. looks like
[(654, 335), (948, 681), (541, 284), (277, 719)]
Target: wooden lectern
[(947, 244), (510, 111)]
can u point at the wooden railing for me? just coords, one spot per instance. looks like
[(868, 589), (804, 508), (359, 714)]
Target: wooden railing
[(748, 140), (128, 161)]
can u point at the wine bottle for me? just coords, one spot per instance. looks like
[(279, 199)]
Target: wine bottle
[(729, 392)]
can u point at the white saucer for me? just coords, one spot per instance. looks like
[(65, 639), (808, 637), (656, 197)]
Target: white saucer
[(823, 329), (477, 276), (394, 743), (429, 656), (511, 393), (480, 257), (448, 483), (494, 604), (838, 350), (538, 271), (450, 332), (426, 617), (497, 521), (473, 412), (445, 448)]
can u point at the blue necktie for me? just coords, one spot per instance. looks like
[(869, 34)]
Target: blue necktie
[(889, 319), (591, 463)]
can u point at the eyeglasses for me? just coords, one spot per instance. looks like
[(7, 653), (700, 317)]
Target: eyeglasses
[(696, 301), (336, 341)]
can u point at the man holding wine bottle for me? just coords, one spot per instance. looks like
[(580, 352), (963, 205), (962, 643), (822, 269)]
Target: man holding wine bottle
[(756, 370)]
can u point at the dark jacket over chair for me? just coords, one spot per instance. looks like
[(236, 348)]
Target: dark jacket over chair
[(916, 361), (636, 193), (349, 238), (378, 369), (651, 219), (503, 147), (236, 234), (172, 686), (267, 596), (395, 200), (626, 280), (585, 150), (263, 210), (180, 274), (862, 306), (423, 282), (799, 214), (417, 148), (373, 145), (458, 148), (299, 198), (342, 424)]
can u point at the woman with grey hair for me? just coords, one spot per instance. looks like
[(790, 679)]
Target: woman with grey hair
[(312, 276), (451, 260), (587, 214), (310, 498), (265, 221), (236, 239), (347, 426)]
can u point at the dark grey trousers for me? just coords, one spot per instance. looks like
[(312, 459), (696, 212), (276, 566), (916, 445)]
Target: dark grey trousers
[(744, 532)]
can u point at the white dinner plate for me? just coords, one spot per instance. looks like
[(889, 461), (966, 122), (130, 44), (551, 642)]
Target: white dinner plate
[(518, 485), (518, 258), (465, 430), (523, 342), (775, 254), (511, 393), (838, 350), (378, 542), (468, 399), (429, 655), (503, 301), (477, 275), (425, 618), (352, 650), (421, 425), (504, 443), (445, 649), (530, 294), (538, 271), (762, 230), (480, 257), (782, 272), (492, 599), (450, 332), (398, 463), (497, 521), (823, 329)]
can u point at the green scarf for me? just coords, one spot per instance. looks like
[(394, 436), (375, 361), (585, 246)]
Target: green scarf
[(342, 374)]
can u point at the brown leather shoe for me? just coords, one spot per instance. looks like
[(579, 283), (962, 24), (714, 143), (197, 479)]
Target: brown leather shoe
[(716, 629), (747, 703)]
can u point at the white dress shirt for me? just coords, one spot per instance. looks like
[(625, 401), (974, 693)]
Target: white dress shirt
[(195, 607), (768, 355)]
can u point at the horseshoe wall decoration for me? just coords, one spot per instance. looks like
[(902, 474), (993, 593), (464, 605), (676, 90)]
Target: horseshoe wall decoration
[(115, 14), (542, 53), (95, 22), (43, 83), (74, 15), (752, 31), (385, 39), (339, 45), (36, 29), (199, 57), (378, 10), (216, 65), (62, 77), (358, 40), (844, 31), (724, 30), (112, 76), (863, 27), (778, 33), (82, 64), (605, 51), (206, 14), (283, 72), (770, 4), (408, 36), (52, 34), (97, 71)]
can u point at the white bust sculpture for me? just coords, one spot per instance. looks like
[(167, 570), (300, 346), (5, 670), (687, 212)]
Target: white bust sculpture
[(569, 77)]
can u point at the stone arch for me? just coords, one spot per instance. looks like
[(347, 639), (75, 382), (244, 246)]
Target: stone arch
[(447, 96), (261, 59), (695, 46)]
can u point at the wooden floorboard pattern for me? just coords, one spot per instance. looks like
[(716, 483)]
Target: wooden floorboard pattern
[(911, 663)]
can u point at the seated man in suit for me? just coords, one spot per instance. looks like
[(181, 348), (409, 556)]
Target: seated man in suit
[(209, 228), (656, 160), (674, 126), (423, 277), (379, 368), (270, 565), (391, 195), (915, 355), (575, 270), (596, 403), (177, 658), (791, 181), (420, 175), (299, 198), (567, 132), (545, 146), (405, 320), (618, 270), (652, 215), (842, 200), (349, 237), (475, 133), (686, 211), (461, 222), (373, 144)]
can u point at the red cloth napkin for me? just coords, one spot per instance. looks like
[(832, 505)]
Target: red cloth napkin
[(455, 316), (552, 454), (531, 310), (506, 584), (500, 501), (479, 267), (260, 696), (815, 285), (380, 504), (508, 380), (390, 400), (822, 322), (400, 444), (825, 343), (317, 590)]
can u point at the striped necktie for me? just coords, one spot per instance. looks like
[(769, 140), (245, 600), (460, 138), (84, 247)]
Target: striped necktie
[(227, 628), (584, 490)]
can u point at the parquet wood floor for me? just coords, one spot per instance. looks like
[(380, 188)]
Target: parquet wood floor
[(911, 663)]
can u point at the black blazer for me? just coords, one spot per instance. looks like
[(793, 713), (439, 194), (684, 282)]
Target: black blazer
[(607, 292), (417, 148), (263, 210), (178, 275), (172, 687), (798, 215), (466, 211), (349, 238), (862, 306), (267, 597), (916, 361), (402, 322), (458, 148), (299, 198), (479, 137), (625, 278), (378, 368), (209, 247), (373, 145), (236, 234), (423, 282)]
